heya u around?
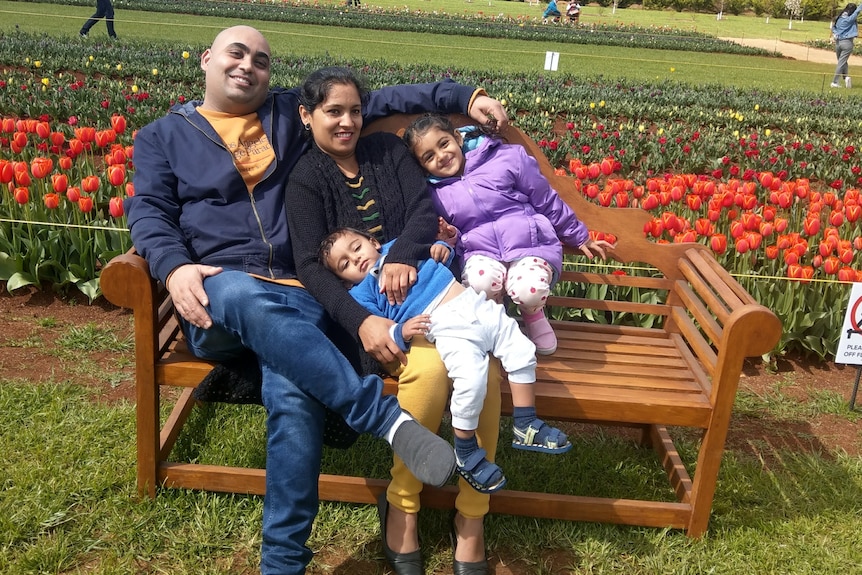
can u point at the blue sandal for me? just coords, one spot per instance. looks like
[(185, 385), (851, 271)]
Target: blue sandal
[(540, 437), (481, 474)]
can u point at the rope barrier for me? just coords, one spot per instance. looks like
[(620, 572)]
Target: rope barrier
[(62, 225)]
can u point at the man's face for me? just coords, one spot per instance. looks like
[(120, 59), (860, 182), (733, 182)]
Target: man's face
[(237, 68)]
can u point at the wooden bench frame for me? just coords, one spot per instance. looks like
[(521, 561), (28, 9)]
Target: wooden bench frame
[(683, 373)]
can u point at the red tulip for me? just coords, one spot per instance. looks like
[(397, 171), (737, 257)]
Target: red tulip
[(22, 195), (73, 194), (853, 212), (794, 271), (19, 141), (7, 125), (791, 257), (65, 163), (607, 166), (846, 274), (742, 246), (115, 207), (57, 138), (86, 134), (117, 174), (718, 243), (130, 189), (52, 201), (59, 182), (811, 226), (621, 199), (845, 255), (118, 123), (593, 171), (6, 171)]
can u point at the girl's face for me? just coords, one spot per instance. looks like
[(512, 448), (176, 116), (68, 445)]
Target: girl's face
[(440, 153), (337, 121)]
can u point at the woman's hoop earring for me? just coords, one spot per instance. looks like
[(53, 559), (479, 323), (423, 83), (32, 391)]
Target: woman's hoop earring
[(307, 127)]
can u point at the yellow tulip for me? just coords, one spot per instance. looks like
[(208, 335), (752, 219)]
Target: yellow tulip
[(185, 55)]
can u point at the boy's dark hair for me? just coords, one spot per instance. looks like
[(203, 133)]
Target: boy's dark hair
[(325, 249), (421, 125)]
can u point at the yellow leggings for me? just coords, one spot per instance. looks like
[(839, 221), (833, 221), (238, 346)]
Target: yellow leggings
[(423, 390)]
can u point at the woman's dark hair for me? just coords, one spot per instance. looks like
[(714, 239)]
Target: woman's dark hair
[(319, 83), (849, 9), (421, 125)]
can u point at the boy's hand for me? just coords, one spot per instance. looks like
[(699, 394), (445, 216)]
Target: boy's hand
[(439, 252), (591, 247), (418, 325)]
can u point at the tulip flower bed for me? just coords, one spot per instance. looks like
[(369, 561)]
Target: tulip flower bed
[(770, 181)]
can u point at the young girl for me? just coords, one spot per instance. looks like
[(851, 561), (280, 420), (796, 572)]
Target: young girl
[(511, 221)]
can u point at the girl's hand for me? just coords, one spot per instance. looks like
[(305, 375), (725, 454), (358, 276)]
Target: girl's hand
[(418, 325), (591, 247), (396, 280), (446, 232), (439, 252)]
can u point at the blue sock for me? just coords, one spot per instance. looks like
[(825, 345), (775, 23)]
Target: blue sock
[(464, 448), (524, 416)]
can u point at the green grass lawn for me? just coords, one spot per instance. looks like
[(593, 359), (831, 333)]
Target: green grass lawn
[(290, 40)]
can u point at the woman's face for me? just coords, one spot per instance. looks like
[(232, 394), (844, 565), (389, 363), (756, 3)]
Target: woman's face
[(336, 122)]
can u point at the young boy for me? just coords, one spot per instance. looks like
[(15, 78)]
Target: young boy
[(465, 327)]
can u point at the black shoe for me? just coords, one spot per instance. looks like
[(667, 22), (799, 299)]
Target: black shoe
[(465, 567), (401, 563)]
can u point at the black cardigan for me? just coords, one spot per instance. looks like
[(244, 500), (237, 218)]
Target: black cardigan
[(317, 203)]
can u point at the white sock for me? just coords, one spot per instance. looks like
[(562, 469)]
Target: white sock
[(404, 417)]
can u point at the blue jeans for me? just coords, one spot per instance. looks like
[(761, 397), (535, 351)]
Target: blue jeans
[(843, 49), (302, 372), (104, 9)]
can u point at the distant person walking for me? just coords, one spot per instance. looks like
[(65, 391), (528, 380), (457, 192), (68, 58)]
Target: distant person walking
[(104, 9), (844, 30)]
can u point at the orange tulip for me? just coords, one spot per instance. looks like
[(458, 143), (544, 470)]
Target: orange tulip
[(76, 147), (41, 167), (85, 204), (65, 163), (130, 189), (7, 125), (43, 130), (86, 134), (52, 201), (90, 184), (73, 194)]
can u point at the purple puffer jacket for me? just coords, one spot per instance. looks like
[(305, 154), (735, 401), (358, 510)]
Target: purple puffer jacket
[(505, 209)]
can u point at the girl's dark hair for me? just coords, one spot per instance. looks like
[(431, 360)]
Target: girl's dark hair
[(421, 125), (319, 83), (849, 9)]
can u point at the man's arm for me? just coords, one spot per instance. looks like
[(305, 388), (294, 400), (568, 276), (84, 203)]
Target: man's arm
[(446, 96)]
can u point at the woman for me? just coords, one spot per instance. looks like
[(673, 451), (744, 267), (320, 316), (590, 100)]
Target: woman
[(375, 185), (844, 30)]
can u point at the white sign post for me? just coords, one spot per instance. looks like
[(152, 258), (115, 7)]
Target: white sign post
[(552, 59), (850, 341)]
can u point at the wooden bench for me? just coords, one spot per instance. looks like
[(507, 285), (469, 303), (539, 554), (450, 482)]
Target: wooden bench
[(684, 372)]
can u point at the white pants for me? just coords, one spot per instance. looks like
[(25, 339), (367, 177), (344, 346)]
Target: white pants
[(465, 330), (527, 280)]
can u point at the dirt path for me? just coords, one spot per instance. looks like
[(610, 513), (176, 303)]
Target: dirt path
[(795, 51)]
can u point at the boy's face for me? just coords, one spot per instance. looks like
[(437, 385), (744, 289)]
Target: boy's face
[(352, 256), (440, 153)]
